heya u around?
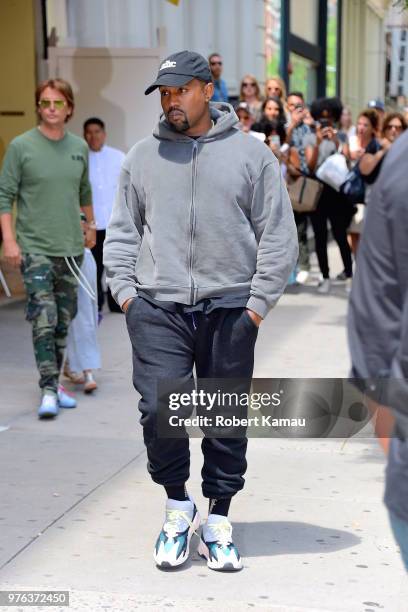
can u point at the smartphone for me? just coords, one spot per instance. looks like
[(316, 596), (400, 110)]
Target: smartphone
[(274, 139), (324, 123)]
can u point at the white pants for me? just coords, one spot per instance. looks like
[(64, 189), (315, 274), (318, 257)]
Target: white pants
[(82, 344)]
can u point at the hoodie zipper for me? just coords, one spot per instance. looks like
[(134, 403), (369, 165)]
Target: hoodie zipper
[(192, 217)]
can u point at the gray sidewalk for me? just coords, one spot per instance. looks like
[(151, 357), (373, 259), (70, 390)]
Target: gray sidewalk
[(78, 511)]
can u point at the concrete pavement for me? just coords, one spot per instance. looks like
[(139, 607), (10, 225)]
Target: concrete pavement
[(78, 511)]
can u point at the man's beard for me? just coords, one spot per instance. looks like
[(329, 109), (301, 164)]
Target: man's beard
[(179, 127)]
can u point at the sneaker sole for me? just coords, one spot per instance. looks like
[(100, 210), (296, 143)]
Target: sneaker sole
[(166, 564), (205, 554), (47, 415)]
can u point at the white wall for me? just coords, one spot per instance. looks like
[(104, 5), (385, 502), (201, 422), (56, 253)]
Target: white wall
[(234, 28), (363, 54), (103, 87)]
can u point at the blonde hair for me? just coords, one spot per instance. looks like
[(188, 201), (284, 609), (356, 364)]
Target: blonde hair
[(257, 88), (281, 84)]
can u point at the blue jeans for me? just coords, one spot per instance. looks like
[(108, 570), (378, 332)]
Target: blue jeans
[(400, 529)]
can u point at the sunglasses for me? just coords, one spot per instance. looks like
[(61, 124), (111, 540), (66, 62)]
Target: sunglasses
[(395, 127), (58, 104), (248, 84), (216, 63)]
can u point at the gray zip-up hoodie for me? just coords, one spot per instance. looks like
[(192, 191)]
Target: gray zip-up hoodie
[(201, 218)]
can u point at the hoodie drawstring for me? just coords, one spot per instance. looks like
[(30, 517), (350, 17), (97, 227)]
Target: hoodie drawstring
[(84, 282)]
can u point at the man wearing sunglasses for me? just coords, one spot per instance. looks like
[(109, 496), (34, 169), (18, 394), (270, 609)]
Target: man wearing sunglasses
[(220, 87), (46, 171), (199, 247)]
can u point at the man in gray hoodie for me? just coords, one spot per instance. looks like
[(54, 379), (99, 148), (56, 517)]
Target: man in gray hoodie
[(199, 248)]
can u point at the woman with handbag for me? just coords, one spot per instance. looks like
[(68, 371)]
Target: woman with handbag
[(332, 205)]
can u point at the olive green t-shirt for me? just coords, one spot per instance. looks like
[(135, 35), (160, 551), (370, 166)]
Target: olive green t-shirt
[(49, 180)]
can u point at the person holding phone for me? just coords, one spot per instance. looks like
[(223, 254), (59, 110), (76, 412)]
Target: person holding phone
[(332, 205)]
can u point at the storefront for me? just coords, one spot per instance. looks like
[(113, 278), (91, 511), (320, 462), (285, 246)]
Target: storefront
[(303, 45)]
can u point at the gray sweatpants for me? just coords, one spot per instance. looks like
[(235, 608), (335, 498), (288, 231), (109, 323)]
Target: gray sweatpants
[(168, 345)]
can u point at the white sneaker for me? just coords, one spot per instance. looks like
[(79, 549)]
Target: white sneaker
[(173, 544), (217, 547), (324, 286), (49, 407), (302, 277)]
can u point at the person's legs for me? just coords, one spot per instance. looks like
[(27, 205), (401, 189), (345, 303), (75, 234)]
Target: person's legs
[(304, 255), (97, 252), (225, 349), (354, 241), (319, 224), (65, 288), (400, 530), (41, 312), (339, 221), (163, 347)]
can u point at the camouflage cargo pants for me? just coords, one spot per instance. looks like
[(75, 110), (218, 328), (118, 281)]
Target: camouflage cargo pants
[(51, 305)]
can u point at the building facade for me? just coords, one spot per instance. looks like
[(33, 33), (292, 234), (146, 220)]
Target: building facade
[(397, 56), (318, 46)]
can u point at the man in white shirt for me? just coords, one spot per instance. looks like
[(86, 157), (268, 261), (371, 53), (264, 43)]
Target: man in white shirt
[(104, 167)]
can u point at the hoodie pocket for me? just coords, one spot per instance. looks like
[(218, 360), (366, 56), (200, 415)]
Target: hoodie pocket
[(145, 266)]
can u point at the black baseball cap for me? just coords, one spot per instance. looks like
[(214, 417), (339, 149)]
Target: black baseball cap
[(377, 104), (180, 68), (245, 107)]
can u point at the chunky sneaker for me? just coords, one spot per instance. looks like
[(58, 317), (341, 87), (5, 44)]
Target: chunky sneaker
[(90, 383), (324, 286), (65, 400), (302, 277), (173, 544), (49, 407), (217, 547)]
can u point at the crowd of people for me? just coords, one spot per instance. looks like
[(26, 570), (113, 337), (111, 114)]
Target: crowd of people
[(179, 317), (303, 137)]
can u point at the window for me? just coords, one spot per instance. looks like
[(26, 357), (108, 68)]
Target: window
[(331, 48), (403, 35), (304, 19), (303, 77), (402, 53), (400, 90), (273, 36), (401, 73)]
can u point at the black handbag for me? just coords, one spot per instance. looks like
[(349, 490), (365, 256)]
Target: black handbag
[(353, 187)]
